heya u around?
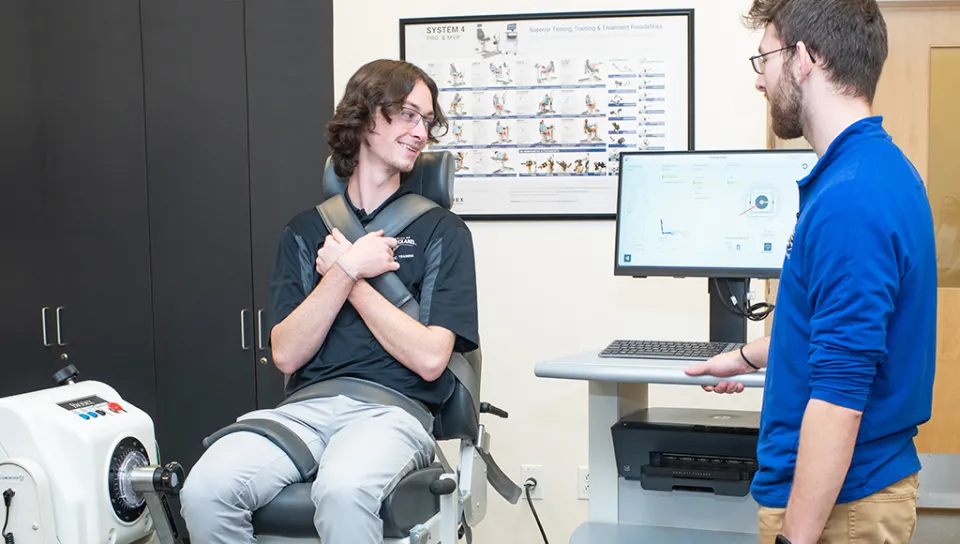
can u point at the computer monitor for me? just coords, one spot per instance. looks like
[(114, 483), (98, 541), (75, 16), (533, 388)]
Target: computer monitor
[(715, 214)]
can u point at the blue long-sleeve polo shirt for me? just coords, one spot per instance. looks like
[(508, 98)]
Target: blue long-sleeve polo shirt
[(856, 315)]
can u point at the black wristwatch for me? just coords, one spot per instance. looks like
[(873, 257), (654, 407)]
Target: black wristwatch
[(782, 540)]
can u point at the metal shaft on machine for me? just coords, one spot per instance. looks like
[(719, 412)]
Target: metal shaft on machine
[(156, 484)]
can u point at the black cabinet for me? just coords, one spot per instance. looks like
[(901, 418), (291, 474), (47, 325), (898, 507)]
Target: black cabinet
[(74, 231), (151, 153), (91, 97), (196, 104), (26, 254)]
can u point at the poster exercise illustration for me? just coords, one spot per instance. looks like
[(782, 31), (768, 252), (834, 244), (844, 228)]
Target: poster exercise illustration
[(540, 108)]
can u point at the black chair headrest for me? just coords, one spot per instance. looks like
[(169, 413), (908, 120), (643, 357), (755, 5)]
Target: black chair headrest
[(432, 177)]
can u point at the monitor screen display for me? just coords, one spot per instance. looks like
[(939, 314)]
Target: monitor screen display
[(707, 213)]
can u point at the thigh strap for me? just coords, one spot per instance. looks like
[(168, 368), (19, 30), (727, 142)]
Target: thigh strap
[(281, 436)]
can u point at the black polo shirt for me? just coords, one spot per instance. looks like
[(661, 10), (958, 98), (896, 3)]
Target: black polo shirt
[(436, 259)]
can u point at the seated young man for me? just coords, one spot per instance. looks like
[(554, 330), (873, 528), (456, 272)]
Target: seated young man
[(331, 323)]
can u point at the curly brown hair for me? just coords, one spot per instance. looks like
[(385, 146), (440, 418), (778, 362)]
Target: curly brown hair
[(383, 84)]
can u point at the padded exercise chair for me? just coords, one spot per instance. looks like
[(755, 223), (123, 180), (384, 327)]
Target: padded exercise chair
[(482, 39), (437, 504)]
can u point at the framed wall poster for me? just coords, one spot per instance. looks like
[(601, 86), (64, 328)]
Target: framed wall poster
[(541, 105)]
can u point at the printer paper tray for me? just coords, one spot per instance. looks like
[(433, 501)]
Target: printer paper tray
[(720, 482)]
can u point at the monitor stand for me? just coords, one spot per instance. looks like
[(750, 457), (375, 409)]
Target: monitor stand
[(726, 326)]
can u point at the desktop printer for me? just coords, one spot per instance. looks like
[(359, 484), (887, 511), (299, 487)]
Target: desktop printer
[(689, 449)]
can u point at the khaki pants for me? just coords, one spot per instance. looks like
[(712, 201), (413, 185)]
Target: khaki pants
[(889, 516)]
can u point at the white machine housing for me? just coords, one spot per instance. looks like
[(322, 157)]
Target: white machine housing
[(56, 448)]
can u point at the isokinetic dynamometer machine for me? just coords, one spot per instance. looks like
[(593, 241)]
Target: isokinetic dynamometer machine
[(79, 465)]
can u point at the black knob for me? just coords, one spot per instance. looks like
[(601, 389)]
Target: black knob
[(486, 407), (169, 479), (444, 486), (66, 375)]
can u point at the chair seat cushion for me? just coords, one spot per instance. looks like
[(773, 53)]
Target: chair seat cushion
[(290, 514)]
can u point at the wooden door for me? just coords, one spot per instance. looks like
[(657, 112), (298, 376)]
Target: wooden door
[(917, 98)]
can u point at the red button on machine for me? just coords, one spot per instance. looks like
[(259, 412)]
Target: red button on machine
[(113, 406)]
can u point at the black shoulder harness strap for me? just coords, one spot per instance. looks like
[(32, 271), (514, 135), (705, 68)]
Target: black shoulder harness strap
[(395, 217), (335, 212)]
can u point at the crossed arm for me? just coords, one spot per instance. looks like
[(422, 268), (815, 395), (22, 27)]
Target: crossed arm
[(423, 349), (296, 339)]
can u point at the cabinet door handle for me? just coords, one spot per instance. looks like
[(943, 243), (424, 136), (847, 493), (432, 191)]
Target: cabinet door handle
[(60, 341), (260, 345), (43, 316), (243, 330)]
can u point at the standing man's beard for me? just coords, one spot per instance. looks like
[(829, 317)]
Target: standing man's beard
[(787, 108)]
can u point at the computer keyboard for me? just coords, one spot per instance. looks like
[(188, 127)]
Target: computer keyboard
[(666, 349)]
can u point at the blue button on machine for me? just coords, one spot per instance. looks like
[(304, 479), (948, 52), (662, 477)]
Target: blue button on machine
[(84, 416), (92, 414)]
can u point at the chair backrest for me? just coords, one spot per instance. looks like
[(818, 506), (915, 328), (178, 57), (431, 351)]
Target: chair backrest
[(432, 177)]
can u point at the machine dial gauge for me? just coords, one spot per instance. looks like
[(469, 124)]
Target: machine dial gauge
[(129, 454)]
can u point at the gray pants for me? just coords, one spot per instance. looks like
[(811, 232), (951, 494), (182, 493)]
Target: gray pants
[(363, 451)]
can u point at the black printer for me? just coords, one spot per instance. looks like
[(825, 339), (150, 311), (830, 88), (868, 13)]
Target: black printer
[(690, 449)]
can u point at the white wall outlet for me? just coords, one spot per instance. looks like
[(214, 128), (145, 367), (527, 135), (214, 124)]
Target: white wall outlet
[(535, 472), (583, 483)]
